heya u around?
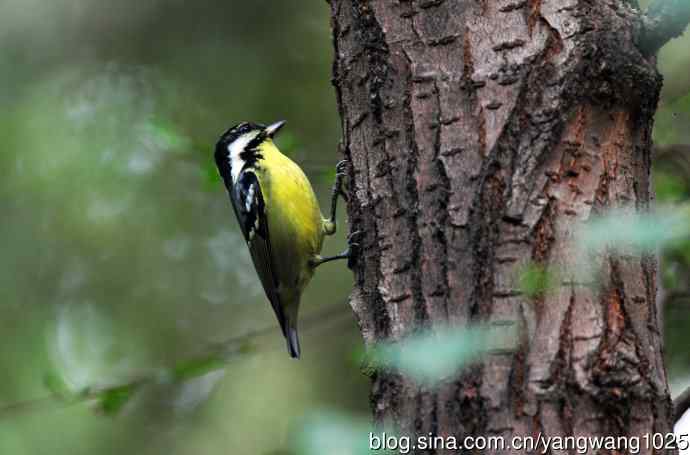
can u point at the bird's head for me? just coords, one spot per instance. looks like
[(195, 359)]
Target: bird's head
[(240, 146)]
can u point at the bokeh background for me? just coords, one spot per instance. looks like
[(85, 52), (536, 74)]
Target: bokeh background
[(119, 253)]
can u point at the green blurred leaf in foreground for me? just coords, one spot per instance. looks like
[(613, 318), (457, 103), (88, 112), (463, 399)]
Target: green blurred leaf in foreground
[(625, 228), (333, 433), (433, 356)]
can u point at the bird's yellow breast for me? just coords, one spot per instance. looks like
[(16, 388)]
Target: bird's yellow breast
[(293, 214)]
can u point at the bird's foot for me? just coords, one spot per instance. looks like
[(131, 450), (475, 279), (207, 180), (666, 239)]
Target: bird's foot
[(337, 191), (340, 174), (353, 248), (341, 166), (350, 253), (353, 236)]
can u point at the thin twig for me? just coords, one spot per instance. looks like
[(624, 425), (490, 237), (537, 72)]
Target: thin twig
[(681, 404), (226, 351), (675, 296), (666, 151), (663, 21), (674, 159)]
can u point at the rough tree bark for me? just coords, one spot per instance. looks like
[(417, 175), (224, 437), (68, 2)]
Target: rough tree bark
[(481, 134)]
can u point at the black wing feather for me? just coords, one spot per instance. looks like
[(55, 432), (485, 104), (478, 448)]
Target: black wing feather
[(248, 203)]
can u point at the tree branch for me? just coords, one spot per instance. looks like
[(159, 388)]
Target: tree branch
[(663, 21), (676, 295), (670, 150), (214, 357), (673, 158), (681, 404)]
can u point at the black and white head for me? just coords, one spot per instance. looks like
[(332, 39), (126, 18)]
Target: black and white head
[(238, 147)]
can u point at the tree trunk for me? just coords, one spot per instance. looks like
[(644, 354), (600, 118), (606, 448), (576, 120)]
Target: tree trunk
[(481, 135)]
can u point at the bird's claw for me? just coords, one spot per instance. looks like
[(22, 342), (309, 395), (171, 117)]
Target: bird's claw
[(352, 236), (353, 247), (340, 167), (340, 175)]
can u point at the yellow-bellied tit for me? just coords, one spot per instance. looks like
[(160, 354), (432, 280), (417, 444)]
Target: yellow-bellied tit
[(279, 216)]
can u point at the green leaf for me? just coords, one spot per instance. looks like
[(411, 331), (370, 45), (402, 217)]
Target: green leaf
[(111, 401), (56, 385), (535, 280), (628, 229), (434, 356), (197, 367), (332, 433)]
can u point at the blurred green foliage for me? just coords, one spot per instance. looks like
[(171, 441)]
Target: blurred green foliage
[(629, 230), (113, 400), (433, 356), (326, 432), (120, 252), (671, 177)]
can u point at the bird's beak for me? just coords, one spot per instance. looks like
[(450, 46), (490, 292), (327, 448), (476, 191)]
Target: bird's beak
[(273, 128)]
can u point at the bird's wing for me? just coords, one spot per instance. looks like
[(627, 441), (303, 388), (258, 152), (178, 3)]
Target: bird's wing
[(248, 202)]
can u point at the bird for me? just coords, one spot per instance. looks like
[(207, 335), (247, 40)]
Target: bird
[(279, 216)]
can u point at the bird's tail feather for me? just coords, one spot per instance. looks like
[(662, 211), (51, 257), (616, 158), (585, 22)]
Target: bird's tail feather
[(292, 341)]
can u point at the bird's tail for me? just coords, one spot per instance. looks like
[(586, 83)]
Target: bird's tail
[(292, 340)]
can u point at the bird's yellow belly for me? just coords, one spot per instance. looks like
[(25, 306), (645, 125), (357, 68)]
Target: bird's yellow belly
[(295, 225)]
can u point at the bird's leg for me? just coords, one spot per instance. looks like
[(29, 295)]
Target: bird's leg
[(335, 192), (321, 260), (347, 254)]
